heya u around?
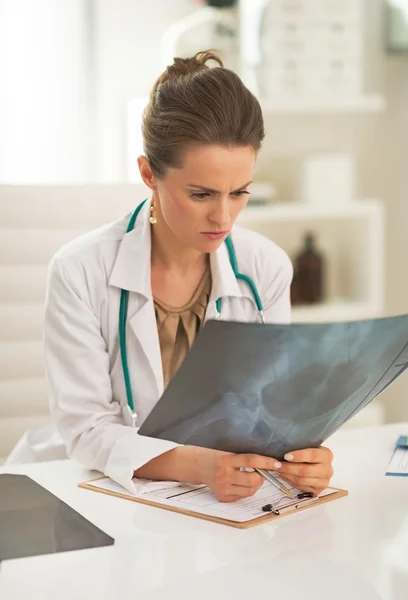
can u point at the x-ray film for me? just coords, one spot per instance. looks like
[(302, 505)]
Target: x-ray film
[(270, 389)]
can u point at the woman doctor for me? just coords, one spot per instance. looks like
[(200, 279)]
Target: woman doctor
[(202, 130)]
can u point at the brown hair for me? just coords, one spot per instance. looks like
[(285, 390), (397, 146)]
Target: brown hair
[(193, 104)]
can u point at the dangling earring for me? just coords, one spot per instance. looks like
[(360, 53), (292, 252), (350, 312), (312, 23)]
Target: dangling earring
[(153, 218)]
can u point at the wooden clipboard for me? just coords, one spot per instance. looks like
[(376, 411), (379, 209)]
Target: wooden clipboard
[(87, 485)]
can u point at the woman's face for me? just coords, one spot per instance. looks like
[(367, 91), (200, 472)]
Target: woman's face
[(200, 201)]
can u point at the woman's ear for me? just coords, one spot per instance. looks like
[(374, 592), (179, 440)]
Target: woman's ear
[(146, 173)]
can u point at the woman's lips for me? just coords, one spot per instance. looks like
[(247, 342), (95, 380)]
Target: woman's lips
[(215, 235)]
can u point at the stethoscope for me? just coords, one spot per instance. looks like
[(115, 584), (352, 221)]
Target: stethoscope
[(129, 413)]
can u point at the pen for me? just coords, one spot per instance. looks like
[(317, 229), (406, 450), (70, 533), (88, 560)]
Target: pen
[(274, 481)]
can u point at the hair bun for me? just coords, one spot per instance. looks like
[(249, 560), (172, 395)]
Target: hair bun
[(194, 64), (183, 67)]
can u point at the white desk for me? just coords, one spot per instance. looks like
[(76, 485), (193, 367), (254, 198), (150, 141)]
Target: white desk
[(353, 548)]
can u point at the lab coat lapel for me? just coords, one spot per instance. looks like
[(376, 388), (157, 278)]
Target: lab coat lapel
[(142, 330), (132, 272)]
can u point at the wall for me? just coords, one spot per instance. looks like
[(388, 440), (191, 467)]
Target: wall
[(44, 118), (127, 61)]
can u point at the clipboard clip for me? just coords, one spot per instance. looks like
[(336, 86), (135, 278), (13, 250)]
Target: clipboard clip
[(274, 508)]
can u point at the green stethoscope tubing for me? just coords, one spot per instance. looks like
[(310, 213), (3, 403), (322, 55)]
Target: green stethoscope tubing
[(124, 297)]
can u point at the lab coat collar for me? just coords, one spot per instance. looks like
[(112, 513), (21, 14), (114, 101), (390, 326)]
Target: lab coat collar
[(131, 270), (224, 282)]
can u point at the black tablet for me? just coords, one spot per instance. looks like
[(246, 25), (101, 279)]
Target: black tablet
[(33, 521)]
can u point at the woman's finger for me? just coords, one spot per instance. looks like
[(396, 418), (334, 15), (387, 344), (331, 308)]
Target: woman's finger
[(320, 470), (252, 461), (222, 498), (242, 491), (246, 479), (307, 484), (238, 491), (310, 455)]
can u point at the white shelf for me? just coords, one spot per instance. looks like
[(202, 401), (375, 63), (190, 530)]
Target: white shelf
[(353, 237), (369, 103), (293, 211), (336, 311)]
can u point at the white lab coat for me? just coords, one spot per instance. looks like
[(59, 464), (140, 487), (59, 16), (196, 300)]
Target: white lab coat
[(82, 357)]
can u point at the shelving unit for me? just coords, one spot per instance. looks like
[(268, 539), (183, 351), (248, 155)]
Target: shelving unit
[(352, 239), (296, 211), (334, 311)]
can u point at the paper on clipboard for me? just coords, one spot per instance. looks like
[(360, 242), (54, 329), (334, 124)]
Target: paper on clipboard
[(200, 500)]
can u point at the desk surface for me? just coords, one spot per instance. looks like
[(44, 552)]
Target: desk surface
[(353, 548)]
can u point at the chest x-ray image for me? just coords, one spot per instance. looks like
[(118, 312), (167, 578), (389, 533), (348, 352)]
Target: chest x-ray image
[(271, 389)]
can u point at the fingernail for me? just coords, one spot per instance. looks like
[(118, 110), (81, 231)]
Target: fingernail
[(288, 456), (277, 465)]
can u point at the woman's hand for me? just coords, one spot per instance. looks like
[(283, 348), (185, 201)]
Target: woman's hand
[(222, 473), (308, 470)]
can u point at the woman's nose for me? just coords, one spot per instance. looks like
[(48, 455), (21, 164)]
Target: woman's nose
[(221, 214)]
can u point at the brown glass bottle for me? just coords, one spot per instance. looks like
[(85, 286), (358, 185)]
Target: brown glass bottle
[(309, 274)]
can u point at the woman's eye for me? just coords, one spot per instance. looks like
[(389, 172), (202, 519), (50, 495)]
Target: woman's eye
[(239, 194), (200, 195), (204, 195)]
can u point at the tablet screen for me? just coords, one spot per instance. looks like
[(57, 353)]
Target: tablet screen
[(33, 521)]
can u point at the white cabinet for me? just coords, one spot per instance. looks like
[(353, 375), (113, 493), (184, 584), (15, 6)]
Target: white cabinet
[(309, 10), (311, 48)]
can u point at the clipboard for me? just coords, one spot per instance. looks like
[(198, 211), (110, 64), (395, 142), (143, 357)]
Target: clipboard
[(299, 505)]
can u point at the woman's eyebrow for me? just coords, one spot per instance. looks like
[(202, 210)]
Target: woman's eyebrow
[(207, 189)]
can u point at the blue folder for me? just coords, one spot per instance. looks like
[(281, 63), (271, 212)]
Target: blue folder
[(400, 458)]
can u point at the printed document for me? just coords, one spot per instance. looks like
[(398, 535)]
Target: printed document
[(200, 499)]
